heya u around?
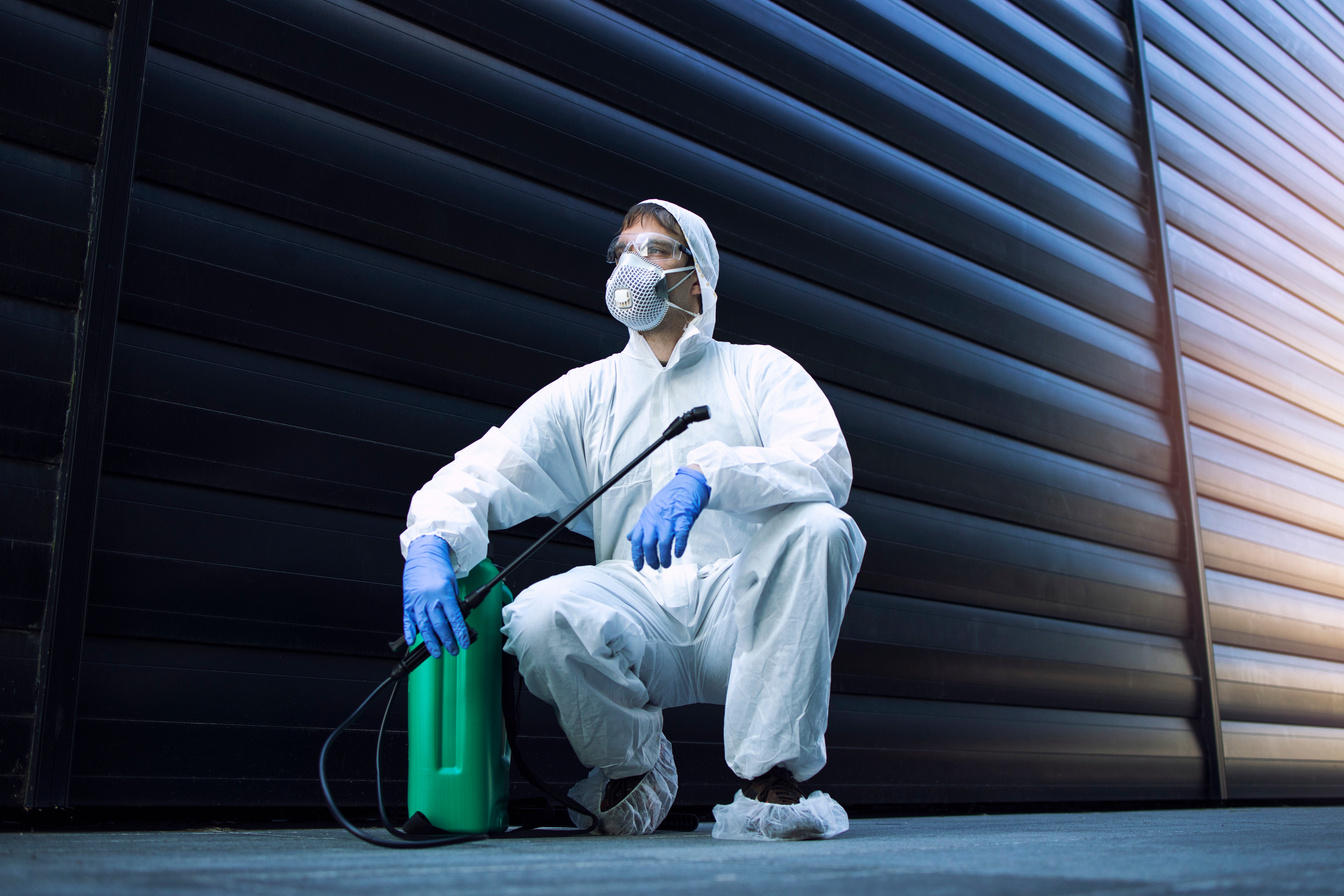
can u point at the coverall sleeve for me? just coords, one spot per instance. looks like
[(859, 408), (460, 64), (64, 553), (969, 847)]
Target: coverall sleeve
[(530, 466), (803, 455)]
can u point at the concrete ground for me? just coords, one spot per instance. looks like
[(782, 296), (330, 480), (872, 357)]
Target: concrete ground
[(1269, 850)]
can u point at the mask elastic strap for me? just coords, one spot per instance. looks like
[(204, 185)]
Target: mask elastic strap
[(693, 315)]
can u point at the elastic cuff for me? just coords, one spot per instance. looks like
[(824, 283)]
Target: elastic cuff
[(438, 545), (696, 473)]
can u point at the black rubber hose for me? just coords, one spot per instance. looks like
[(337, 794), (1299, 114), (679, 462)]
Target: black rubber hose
[(409, 843)]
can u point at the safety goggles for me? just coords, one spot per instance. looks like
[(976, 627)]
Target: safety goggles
[(654, 246)]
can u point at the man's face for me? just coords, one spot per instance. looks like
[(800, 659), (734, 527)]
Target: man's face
[(687, 292)]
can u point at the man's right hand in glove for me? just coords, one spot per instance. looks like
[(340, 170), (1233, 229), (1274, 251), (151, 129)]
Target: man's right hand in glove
[(429, 598)]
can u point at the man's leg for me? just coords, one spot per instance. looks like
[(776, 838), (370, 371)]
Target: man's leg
[(597, 645), (592, 642), (790, 587)]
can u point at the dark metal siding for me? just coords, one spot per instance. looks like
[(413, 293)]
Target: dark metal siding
[(53, 72), (1251, 149), (361, 233)]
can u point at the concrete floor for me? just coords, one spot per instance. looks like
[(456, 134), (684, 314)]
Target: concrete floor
[(1298, 850)]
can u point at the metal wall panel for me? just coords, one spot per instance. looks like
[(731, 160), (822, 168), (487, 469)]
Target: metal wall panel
[(361, 233), (1250, 127), (920, 751), (1261, 615), (339, 271), (932, 650), (53, 73), (1270, 687), (1283, 761), (993, 367)]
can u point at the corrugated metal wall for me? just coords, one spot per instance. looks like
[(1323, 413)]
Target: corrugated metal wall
[(53, 89), (1251, 134), (360, 233)]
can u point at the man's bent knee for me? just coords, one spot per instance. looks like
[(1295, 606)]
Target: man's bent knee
[(819, 523), (541, 617), (558, 621)]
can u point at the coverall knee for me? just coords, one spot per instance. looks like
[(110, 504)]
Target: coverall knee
[(598, 644)]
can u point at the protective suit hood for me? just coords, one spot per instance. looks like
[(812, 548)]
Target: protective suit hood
[(706, 254)]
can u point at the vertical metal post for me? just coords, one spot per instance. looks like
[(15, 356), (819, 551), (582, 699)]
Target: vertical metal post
[(61, 650), (1192, 554)]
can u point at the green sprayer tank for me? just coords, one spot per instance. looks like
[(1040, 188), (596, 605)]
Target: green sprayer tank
[(459, 756)]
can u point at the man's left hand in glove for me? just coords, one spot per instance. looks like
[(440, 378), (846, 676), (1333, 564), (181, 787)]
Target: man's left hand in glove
[(665, 523)]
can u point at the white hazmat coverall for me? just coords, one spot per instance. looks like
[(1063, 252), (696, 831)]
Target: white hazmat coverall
[(748, 617)]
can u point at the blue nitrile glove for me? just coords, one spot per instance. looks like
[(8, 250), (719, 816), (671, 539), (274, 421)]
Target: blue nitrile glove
[(429, 597), (665, 523)]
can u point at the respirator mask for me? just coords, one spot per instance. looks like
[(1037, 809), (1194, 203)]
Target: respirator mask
[(637, 289)]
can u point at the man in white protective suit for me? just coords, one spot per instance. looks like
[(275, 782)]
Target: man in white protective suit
[(723, 562)]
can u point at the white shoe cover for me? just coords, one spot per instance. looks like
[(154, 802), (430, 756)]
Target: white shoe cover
[(642, 810), (817, 817)]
